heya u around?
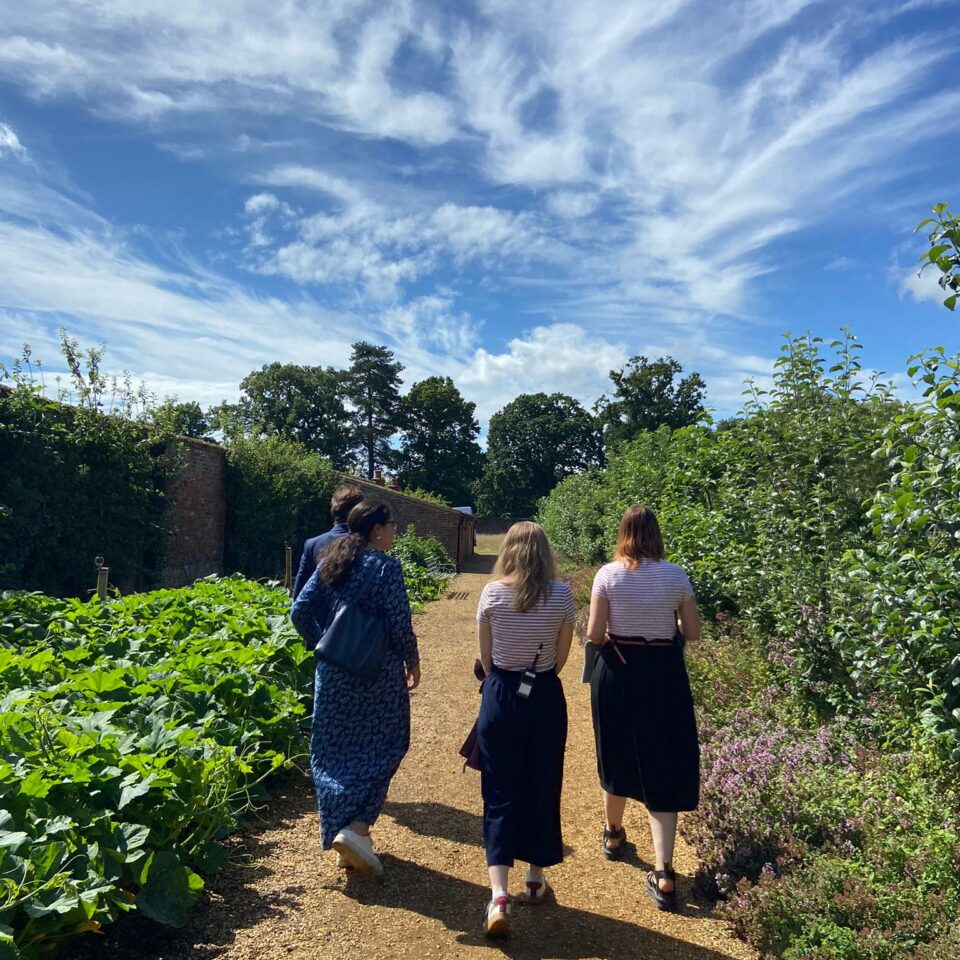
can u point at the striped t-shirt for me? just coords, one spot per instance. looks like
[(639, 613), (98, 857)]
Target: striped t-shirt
[(516, 636), (642, 601)]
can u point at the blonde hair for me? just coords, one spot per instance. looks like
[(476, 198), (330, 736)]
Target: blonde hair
[(526, 563)]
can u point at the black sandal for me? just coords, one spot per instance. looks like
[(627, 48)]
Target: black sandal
[(663, 899), (614, 853)]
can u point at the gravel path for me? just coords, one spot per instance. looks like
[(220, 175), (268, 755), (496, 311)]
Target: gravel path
[(282, 898)]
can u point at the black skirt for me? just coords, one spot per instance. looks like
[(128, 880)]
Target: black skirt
[(521, 744), (645, 729)]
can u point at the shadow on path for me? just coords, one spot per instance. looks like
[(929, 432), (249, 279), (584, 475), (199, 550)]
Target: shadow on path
[(479, 563), (554, 930), (431, 819)]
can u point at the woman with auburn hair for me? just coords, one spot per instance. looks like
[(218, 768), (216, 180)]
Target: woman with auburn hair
[(524, 626), (642, 609)]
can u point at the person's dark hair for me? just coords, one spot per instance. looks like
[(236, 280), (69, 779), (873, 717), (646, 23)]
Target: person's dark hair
[(639, 537), (344, 499), (337, 561)]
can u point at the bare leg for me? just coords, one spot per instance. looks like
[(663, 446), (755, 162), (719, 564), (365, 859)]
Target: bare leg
[(362, 829), (498, 879), (613, 807), (663, 827)]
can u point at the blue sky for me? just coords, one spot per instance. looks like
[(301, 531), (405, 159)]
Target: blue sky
[(519, 196)]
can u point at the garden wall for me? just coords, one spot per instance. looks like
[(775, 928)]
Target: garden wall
[(453, 529), (197, 513)]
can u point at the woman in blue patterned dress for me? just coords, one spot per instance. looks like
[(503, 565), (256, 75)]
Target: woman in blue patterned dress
[(361, 727)]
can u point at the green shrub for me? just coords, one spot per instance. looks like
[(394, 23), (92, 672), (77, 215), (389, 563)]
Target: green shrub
[(278, 492), (427, 567), (899, 631), (77, 483)]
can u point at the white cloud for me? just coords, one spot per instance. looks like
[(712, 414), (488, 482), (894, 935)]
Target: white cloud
[(571, 204), (10, 145), (559, 358), (840, 263), (636, 166), (433, 322), (921, 287)]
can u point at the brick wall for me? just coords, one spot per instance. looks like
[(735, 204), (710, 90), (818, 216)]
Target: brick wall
[(197, 513), (452, 528), (197, 506)]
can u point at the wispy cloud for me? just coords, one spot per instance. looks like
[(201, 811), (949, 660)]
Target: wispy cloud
[(10, 145), (628, 172), (841, 263)]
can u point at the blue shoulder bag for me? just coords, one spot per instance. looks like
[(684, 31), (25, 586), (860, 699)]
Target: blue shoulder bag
[(355, 640)]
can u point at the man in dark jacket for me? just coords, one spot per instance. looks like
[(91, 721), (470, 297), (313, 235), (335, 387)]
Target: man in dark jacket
[(344, 499)]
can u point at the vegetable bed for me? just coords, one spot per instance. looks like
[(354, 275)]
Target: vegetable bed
[(133, 734)]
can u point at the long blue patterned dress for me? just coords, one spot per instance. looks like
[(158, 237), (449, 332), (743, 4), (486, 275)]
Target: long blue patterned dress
[(361, 727)]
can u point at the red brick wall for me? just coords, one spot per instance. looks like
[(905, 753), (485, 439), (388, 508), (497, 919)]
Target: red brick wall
[(452, 528), (197, 510)]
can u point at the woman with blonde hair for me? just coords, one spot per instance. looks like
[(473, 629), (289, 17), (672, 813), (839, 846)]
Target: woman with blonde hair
[(642, 609), (524, 626)]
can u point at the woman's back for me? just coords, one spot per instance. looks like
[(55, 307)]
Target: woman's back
[(517, 636), (642, 600)]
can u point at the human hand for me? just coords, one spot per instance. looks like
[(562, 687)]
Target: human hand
[(413, 677)]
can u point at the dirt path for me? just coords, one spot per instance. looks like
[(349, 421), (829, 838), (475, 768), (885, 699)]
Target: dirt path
[(284, 898)]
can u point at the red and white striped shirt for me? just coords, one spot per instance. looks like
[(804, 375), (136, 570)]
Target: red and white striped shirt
[(642, 601), (517, 636)]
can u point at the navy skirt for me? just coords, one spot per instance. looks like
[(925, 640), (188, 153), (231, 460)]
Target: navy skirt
[(645, 728), (522, 742)]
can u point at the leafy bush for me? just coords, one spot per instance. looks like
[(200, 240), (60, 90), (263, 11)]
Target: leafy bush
[(427, 567), (78, 481), (427, 496), (761, 512), (900, 629), (278, 492), (133, 733)]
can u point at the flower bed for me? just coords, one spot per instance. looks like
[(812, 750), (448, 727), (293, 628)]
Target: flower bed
[(826, 841)]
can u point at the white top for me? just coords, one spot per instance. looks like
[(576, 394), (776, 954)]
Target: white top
[(642, 601), (516, 636)]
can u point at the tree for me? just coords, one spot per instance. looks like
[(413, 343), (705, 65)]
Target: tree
[(181, 419), (645, 397), (439, 452), (533, 443), (944, 252), (373, 389), (297, 402)]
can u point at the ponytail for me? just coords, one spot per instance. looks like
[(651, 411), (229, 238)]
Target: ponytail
[(338, 560)]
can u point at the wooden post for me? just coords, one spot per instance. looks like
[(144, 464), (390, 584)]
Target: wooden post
[(288, 568), (103, 578)]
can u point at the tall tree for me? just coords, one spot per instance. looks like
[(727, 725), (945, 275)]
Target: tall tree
[(301, 403), (439, 450), (648, 395), (181, 419), (533, 443), (373, 390)]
